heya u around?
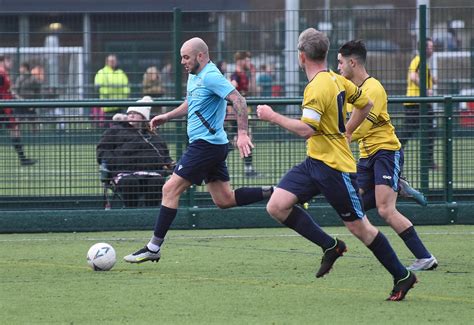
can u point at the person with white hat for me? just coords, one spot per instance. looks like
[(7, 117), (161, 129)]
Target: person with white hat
[(137, 157)]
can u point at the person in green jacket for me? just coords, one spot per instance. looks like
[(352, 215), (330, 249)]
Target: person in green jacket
[(112, 84)]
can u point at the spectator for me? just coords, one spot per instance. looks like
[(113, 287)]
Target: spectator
[(48, 92), (137, 158), (152, 85), (38, 72), (112, 84), (412, 110), (265, 81), (452, 41), (27, 87), (243, 79), (7, 114)]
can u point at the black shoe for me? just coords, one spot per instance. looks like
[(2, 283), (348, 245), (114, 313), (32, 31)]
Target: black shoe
[(28, 162), (401, 287), (330, 256)]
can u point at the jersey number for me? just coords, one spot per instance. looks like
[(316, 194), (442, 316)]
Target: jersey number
[(340, 105)]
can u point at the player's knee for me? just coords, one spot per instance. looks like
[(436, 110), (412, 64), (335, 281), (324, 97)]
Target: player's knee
[(355, 228), (276, 212), (386, 211), (363, 230), (359, 227), (225, 201), (171, 191), (224, 204)]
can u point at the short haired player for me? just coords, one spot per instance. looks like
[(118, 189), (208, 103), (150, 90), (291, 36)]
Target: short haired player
[(329, 168), (381, 156)]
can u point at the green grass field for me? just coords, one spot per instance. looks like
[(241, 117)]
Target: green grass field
[(247, 276)]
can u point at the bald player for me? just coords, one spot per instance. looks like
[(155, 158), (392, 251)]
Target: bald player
[(208, 92)]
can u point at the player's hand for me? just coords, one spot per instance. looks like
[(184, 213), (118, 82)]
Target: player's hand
[(348, 138), (244, 144), (265, 112), (158, 120)]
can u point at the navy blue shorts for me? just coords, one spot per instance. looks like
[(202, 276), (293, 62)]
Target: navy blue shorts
[(383, 168), (313, 177), (204, 161)]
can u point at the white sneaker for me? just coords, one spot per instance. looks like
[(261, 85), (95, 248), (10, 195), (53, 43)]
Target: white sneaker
[(424, 264), (143, 255)]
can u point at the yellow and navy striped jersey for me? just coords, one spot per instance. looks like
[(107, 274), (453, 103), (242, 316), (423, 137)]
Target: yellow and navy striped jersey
[(413, 89), (324, 109), (376, 132)]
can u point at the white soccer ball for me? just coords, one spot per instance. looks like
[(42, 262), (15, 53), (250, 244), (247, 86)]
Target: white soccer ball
[(101, 257)]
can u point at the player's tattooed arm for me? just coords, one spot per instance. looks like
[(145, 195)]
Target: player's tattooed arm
[(239, 104)]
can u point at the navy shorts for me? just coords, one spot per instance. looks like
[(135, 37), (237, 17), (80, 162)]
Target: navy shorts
[(204, 161), (383, 168), (313, 177)]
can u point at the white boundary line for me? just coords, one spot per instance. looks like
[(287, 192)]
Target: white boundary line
[(184, 237)]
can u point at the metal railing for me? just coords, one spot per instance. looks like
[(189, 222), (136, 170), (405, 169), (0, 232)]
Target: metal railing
[(67, 171)]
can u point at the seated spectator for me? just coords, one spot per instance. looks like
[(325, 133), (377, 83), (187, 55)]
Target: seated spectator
[(137, 158)]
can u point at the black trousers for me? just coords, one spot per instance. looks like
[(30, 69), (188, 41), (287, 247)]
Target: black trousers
[(139, 190), (411, 126)]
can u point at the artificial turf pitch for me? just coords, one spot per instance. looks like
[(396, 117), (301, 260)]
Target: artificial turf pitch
[(242, 276)]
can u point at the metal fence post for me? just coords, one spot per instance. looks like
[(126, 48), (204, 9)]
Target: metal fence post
[(178, 70), (448, 148), (424, 129), (178, 86), (177, 39)]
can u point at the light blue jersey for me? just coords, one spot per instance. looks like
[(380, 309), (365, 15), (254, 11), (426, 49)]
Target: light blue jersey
[(206, 94)]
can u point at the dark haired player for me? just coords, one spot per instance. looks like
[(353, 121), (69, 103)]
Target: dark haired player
[(381, 156)]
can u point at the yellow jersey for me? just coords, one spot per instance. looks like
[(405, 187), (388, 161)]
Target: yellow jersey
[(376, 132), (324, 109), (413, 90)]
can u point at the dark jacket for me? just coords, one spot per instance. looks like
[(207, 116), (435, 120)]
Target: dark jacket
[(124, 148), (27, 86)]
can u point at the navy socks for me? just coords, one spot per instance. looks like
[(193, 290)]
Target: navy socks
[(414, 243), (384, 252), (303, 224), (249, 195), (164, 221)]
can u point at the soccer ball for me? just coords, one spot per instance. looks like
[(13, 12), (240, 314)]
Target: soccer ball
[(101, 257)]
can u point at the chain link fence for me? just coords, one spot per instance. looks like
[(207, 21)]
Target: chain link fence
[(65, 55)]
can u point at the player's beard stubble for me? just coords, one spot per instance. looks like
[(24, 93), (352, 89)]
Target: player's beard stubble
[(195, 67)]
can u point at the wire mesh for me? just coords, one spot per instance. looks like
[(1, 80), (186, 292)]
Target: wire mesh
[(65, 53)]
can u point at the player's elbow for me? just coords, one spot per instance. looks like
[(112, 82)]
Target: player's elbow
[(306, 132), (369, 106)]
